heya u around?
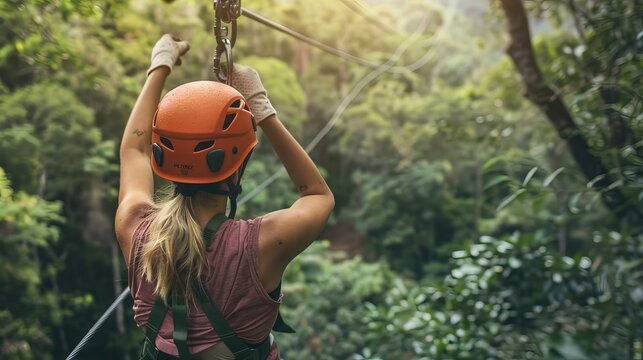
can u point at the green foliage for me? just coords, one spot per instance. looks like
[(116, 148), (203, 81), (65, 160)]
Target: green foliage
[(284, 90), (46, 137), (27, 228), (323, 297), (488, 241), (515, 298)]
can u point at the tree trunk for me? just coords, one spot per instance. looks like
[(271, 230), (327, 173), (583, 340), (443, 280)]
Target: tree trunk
[(621, 133), (521, 51), (62, 336), (302, 55), (118, 288), (99, 229), (478, 199)]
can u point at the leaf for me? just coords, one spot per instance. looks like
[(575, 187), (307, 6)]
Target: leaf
[(591, 202), (595, 180), (20, 46), (529, 176), (573, 203), (491, 162), (510, 198), (627, 151), (497, 180), (615, 184), (552, 176)]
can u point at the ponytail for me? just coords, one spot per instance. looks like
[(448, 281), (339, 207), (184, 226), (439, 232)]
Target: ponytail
[(174, 255)]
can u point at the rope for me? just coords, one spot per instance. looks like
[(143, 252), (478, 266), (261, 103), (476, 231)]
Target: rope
[(320, 45), (348, 99)]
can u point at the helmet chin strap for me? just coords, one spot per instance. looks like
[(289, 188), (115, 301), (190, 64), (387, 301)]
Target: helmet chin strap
[(233, 192), (236, 189)]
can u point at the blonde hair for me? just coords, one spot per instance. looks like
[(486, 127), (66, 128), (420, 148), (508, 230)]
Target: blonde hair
[(174, 255)]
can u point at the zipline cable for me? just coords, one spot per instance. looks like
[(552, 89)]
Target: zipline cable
[(320, 45), (346, 101), (428, 56), (331, 123), (98, 324), (360, 9)]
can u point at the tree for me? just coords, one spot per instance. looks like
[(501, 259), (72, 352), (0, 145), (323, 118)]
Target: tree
[(550, 102), (31, 311)]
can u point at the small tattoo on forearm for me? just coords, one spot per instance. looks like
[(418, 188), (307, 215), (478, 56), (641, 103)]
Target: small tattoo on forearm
[(303, 188), (138, 132)]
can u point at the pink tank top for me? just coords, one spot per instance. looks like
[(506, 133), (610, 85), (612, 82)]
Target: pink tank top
[(232, 282)]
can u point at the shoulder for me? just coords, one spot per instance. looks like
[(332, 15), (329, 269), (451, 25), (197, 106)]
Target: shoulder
[(243, 227), (247, 231), (128, 220)]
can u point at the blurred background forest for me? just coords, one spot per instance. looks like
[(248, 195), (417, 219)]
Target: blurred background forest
[(484, 210)]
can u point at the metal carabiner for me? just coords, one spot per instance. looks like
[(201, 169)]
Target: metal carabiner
[(224, 74), (221, 32), (226, 11)]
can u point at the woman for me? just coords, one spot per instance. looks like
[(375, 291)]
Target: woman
[(239, 264)]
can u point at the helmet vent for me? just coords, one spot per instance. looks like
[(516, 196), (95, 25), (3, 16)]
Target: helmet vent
[(228, 120), (236, 104), (203, 145), (245, 107), (167, 143)]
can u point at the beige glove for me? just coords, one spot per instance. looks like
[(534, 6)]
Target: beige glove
[(246, 80), (167, 52)]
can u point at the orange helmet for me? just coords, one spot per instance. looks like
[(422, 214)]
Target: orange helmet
[(202, 133)]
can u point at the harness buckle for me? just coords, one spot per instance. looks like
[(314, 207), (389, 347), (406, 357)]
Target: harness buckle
[(149, 350), (247, 354)]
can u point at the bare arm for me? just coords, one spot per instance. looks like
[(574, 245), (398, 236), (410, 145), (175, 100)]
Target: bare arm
[(286, 233), (137, 181), (136, 191)]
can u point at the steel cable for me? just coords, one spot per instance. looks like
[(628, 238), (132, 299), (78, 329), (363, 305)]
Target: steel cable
[(365, 12), (320, 45), (348, 99), (98, 324)]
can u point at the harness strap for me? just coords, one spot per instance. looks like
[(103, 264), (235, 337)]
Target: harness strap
[(180, 333), (237, 346), (212, 227), (281, 326), (159, 310)]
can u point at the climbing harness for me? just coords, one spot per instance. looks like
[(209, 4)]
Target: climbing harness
[(225, 12), (239, 348)]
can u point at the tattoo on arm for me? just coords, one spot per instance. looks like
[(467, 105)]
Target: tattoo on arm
[(303, 188), (138, 132)]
